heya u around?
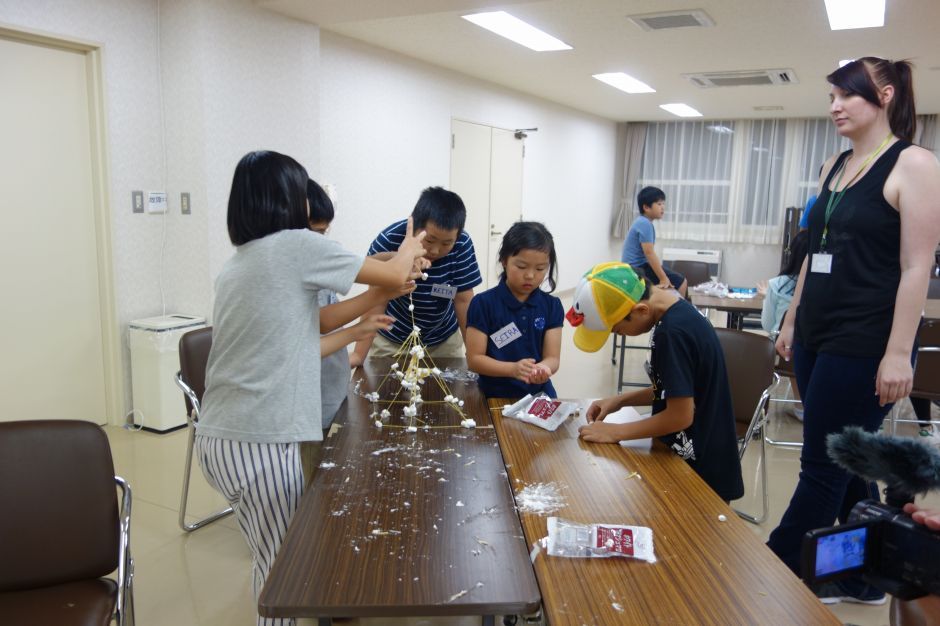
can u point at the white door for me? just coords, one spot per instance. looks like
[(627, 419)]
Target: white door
[(52, 362), (486, 171), (505, 193)]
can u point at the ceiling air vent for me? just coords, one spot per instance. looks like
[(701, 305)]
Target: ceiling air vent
[(671, 19), (707, 80)]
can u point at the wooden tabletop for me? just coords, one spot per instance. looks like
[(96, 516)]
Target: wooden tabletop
[(405, 524), (728, 304), (708, 571)]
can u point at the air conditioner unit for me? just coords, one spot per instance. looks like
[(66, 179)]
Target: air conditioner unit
[(712, 257), (744, 78)]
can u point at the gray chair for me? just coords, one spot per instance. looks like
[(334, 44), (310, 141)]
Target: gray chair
[(749, 359), (62, 532), (194, 356)]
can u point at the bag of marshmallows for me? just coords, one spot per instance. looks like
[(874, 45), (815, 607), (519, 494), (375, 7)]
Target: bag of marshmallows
[(598, 540), (541, 410)]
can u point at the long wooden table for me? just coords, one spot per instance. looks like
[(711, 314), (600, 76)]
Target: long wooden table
[(708, 571), (405, 524), (736, 308)]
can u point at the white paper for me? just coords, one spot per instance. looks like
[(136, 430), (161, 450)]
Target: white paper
[(624, 416)]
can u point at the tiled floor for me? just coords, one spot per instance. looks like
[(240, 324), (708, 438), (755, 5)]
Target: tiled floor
[(202, 578)]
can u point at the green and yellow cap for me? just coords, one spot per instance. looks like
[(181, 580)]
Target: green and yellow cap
[(606, 294)]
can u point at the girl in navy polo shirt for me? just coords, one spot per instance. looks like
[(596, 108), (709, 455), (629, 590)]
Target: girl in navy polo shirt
[(514, 329)]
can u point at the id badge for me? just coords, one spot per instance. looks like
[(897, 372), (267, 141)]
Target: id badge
[(822, 263), (444, 291), (506, 335)]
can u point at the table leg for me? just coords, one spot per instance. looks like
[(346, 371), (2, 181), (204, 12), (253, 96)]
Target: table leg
[(488, 620), (324, 621)]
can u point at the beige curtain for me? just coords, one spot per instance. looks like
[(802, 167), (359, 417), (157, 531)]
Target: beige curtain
[(926, 133), (631, 139)]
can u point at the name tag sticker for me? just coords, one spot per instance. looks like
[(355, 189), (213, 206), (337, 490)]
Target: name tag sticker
[(506, 335), (444, 291), (822, 263)]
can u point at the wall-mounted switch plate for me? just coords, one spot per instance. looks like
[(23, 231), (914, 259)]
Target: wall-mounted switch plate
[(185, 209), (137, 201), (156, 202)]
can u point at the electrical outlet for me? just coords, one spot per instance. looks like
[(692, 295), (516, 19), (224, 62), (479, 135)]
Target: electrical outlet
[(184, 203), (137, 201)]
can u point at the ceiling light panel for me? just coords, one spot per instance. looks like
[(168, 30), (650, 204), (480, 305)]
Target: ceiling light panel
[(624, 82), (514, 29), (680, 110), (846, 14)]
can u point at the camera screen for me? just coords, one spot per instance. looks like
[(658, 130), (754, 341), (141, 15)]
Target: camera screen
[(840, 551)]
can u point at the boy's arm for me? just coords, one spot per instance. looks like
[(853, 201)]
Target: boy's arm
[(461, 304), (655, 265), (676, 416)]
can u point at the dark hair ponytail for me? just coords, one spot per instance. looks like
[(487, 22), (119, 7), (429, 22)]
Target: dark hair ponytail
[(864, 76), (901, 113)]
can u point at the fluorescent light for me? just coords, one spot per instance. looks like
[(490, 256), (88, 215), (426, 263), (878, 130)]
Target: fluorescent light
[(845, 62), (681, 110), (624, 82), (513, 28), (846, 14)]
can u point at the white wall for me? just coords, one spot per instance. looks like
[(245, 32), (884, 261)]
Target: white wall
[(385, 136), (234, 78)]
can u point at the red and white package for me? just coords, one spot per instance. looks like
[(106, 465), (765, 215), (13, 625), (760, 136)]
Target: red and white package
[(541, 410), (598, 540)]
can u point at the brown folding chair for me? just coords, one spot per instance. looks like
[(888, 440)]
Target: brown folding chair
[(62, 530), (749, 359), (695, 272), (194, 356), (926, 371)]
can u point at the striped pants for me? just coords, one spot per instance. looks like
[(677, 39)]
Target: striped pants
[(263, 483)]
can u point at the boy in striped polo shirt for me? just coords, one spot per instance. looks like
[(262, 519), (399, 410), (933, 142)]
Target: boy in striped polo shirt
[(441, 301)]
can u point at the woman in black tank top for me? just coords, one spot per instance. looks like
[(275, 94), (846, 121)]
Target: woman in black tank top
[(854, 315)]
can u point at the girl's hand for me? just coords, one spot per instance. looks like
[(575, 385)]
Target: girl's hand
[(540, 375), (390, 293), (369, 325), (599, 409), (411, 245), (762, 287), (524, 369), (894, 380), (784, 342)]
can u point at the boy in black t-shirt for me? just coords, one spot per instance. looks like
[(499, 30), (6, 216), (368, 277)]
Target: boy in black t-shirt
[(690, 397)]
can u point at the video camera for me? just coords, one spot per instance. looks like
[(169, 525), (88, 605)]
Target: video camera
[(879, 542)]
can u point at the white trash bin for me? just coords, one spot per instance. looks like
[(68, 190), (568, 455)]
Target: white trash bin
[(154, 343)]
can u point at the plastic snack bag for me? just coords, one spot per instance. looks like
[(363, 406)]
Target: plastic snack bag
[(598, 540), (541, 410)]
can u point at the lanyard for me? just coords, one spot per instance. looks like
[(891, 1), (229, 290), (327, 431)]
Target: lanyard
[(836, 196)]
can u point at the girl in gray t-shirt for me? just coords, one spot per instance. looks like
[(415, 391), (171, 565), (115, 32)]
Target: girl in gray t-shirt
[(262, 393)]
